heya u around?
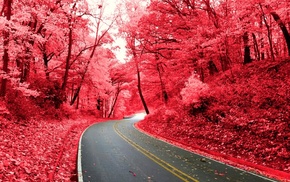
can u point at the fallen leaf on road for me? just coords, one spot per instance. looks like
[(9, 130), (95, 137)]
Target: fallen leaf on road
[(132, 173)]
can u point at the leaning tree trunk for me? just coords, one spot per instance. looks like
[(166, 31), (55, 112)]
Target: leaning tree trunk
[(77, 92), (140, 89), (283, 28), (96, 44), (114, 102)]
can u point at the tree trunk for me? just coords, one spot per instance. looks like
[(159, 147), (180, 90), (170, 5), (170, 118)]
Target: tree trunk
[(163, 90), (269, 33), (5, 64), (283, 28), (96, 44), (262, 53), (76, 94), (202, 77), (46, 58), (270, 40), (25, 71), (212, 68), (247, 51), (256, 47), (67, 63), (7, 13), (78, 102), (262, 49), (225, 62), (140, 89), (225, 59), (114, 102)]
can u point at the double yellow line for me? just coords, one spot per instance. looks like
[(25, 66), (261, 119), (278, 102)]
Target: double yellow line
[(181, 175)]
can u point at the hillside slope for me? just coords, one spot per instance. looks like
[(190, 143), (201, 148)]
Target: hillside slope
[(245, 115)]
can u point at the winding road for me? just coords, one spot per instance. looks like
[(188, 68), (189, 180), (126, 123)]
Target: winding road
[(115, 151)]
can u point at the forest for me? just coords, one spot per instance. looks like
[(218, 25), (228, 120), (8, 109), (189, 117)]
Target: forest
[(211, 75)]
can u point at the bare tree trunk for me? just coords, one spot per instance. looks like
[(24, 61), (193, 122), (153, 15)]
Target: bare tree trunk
[(283, 28), (46, 58), (212, 13), (75, 96), (269, 33), (262, 53), (190, 3), (96, 44), (163, 90), (270, 40), (67, 63), (256, 47), (140, 88), (77, 92), (7, 13), (114, 102)]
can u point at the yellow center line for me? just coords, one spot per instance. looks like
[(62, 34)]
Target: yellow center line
[(181, 175)]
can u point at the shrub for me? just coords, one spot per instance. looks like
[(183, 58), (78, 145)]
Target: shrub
[(20, 106), (193, 92), (50, 93)]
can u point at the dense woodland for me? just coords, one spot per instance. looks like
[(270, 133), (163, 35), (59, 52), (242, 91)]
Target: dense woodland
[(213, 73)]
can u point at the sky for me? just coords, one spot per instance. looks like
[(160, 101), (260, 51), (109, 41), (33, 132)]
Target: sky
[(109, 10)]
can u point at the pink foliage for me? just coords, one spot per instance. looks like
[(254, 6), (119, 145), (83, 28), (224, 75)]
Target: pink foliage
[(244, 115), (188, 57), (194, 90), (40, 150)]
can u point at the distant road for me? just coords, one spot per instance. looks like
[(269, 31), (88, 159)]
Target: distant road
[(115, 151)]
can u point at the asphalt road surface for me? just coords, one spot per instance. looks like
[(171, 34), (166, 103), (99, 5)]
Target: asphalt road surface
[(115, 151)]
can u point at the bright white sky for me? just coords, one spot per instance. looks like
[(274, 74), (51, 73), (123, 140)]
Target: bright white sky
[(109, 7)]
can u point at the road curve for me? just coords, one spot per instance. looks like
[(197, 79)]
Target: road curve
[(115, 151)]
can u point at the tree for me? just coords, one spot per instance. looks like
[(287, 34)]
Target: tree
[(283, 29), (247, 50), (269, 32), (119, 80), (97, 86), (129, 30), (71, 18), (137, 62), (101, 37), (6, 12)]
